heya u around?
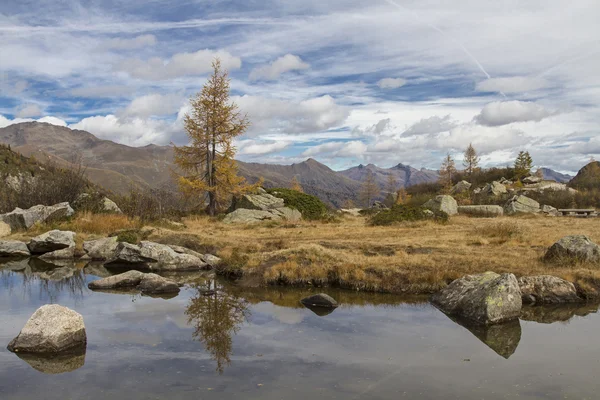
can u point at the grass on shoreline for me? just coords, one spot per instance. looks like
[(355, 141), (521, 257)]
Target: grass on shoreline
[(409, 258)]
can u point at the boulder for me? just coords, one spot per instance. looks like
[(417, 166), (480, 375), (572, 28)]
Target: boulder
[(460, 187), (25, 219), (319, 300), (167, 259), (5, 229), (146, 283), (484, 299), (443, 203), (574, 248), (185, 250), (531, 180), (13, 248), (521, 204), (51, 241), (355, 212), (246, 216), (108, 205), (63, 254), (481, 211), (51, 329), (546, 289), (211, 260), (494, 189), (262, 201), (128, 254), (101, 249)]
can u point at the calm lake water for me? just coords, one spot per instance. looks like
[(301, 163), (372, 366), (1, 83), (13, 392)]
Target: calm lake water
[(262, 344)]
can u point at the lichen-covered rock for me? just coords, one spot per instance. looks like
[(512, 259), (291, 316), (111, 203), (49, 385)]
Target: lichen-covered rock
[(574, 248), (25, 219), (550, 211), (443, 203), (101, 249), (63, 254), (51, 241), (262, 201), (482, 211), (460, 187), (128, 254), (211, 260), (521, 204), (247, 216), (146, 283), (5, 229), (51, 329), (167, 259), (531, 180), (486, 299), (547, 289), (319, 300), (13, 248), (494, 189), (110, 206), (155, 284)]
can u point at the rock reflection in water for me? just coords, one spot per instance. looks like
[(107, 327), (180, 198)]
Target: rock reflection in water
[(216, 317), (548, 314), (58, 364), (321, 311), (502, 338)]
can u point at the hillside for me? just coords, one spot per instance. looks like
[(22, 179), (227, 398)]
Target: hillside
[(404, 175), (552, 175), (587, 178)]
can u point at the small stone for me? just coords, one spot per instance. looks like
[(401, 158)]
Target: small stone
[(319, 300)]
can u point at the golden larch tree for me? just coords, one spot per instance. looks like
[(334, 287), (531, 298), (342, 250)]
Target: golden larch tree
[(471, 160), (207, 162), (447, 171), (295, 185)]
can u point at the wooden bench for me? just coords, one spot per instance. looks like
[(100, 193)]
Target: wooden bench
[(573, 212)]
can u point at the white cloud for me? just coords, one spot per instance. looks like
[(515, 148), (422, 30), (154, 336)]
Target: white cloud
[(29, 111), (391, 83), (254, 147), (130, 44), (20, 86), (131, 132), (337, 149), (507, 112), (430, 125), (153, 105), (515, 84), (284, 64), (181, 64), (100, 91), (4, 122)]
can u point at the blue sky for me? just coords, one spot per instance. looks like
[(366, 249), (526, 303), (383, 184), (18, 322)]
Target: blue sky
[(345, 82)]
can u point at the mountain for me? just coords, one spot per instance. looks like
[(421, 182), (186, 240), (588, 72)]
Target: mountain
[(587, 178), (404, 175), (552, 175)]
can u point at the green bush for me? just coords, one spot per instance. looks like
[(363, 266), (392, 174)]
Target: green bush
[(129, 236), (403, 213), (311, 207)]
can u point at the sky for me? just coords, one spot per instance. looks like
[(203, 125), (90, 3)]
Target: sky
[(341, 81)]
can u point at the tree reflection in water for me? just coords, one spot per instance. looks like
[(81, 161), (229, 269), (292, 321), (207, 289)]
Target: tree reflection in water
[(216, 317)]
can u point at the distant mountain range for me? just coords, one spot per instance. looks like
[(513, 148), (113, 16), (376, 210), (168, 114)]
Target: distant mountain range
[(555, 176), (119, 167)]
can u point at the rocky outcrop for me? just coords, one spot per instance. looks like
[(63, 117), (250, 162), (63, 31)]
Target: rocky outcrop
[(51, 329), (319, 300), (481, 211), (263, 201), (13, 248), (63, 254), (51, 241), (485, 299), (521, 204), (246, 216), (107, 205), (146, 283), (167, 259), (574, 248), (460, 187), (550, 211), (546, 289), (5, 229), (494, 189), (101, 249), (128, 254), (443, 203), (531, 180), (211, 260), (25, 219)]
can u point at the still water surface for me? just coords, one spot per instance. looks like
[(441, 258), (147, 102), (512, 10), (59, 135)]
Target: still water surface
[(244, 343)]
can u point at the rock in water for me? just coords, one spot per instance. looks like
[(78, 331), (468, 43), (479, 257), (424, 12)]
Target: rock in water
[(101, 249), (128, 254), (169, 259), (574, 248), (51, 329), (443, 203), (146, 283), (485, 299), (63, 254), (51, 241), (546, 289), (319, 300), (521, 204), (13, 248), (489, 211), (154, 284)]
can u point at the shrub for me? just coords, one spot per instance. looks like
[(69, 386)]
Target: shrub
[(154, 204), (128, 236), (311, 207), (403, 213)]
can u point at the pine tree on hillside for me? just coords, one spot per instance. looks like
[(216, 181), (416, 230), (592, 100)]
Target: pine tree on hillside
[(369, 190), (447, 171), (523, 164), (295, 185), (471, 160), (208, 161)]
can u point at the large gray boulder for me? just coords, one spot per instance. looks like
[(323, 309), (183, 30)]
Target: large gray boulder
[(51, 329), (546, 289), (128, 254), (574, 248), (495, 189), (521, 204), (63, 254), (5, 229), (531, 180), (481, 211), (460, 187), (101, 249), (51, 241), (13, 248), (443, 203), (209, 259), (110, 206), (25, 219), (246, 216), (167, 259), (485, 299), (262, 201), (319, 300), (146, 283), (550, 211)]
